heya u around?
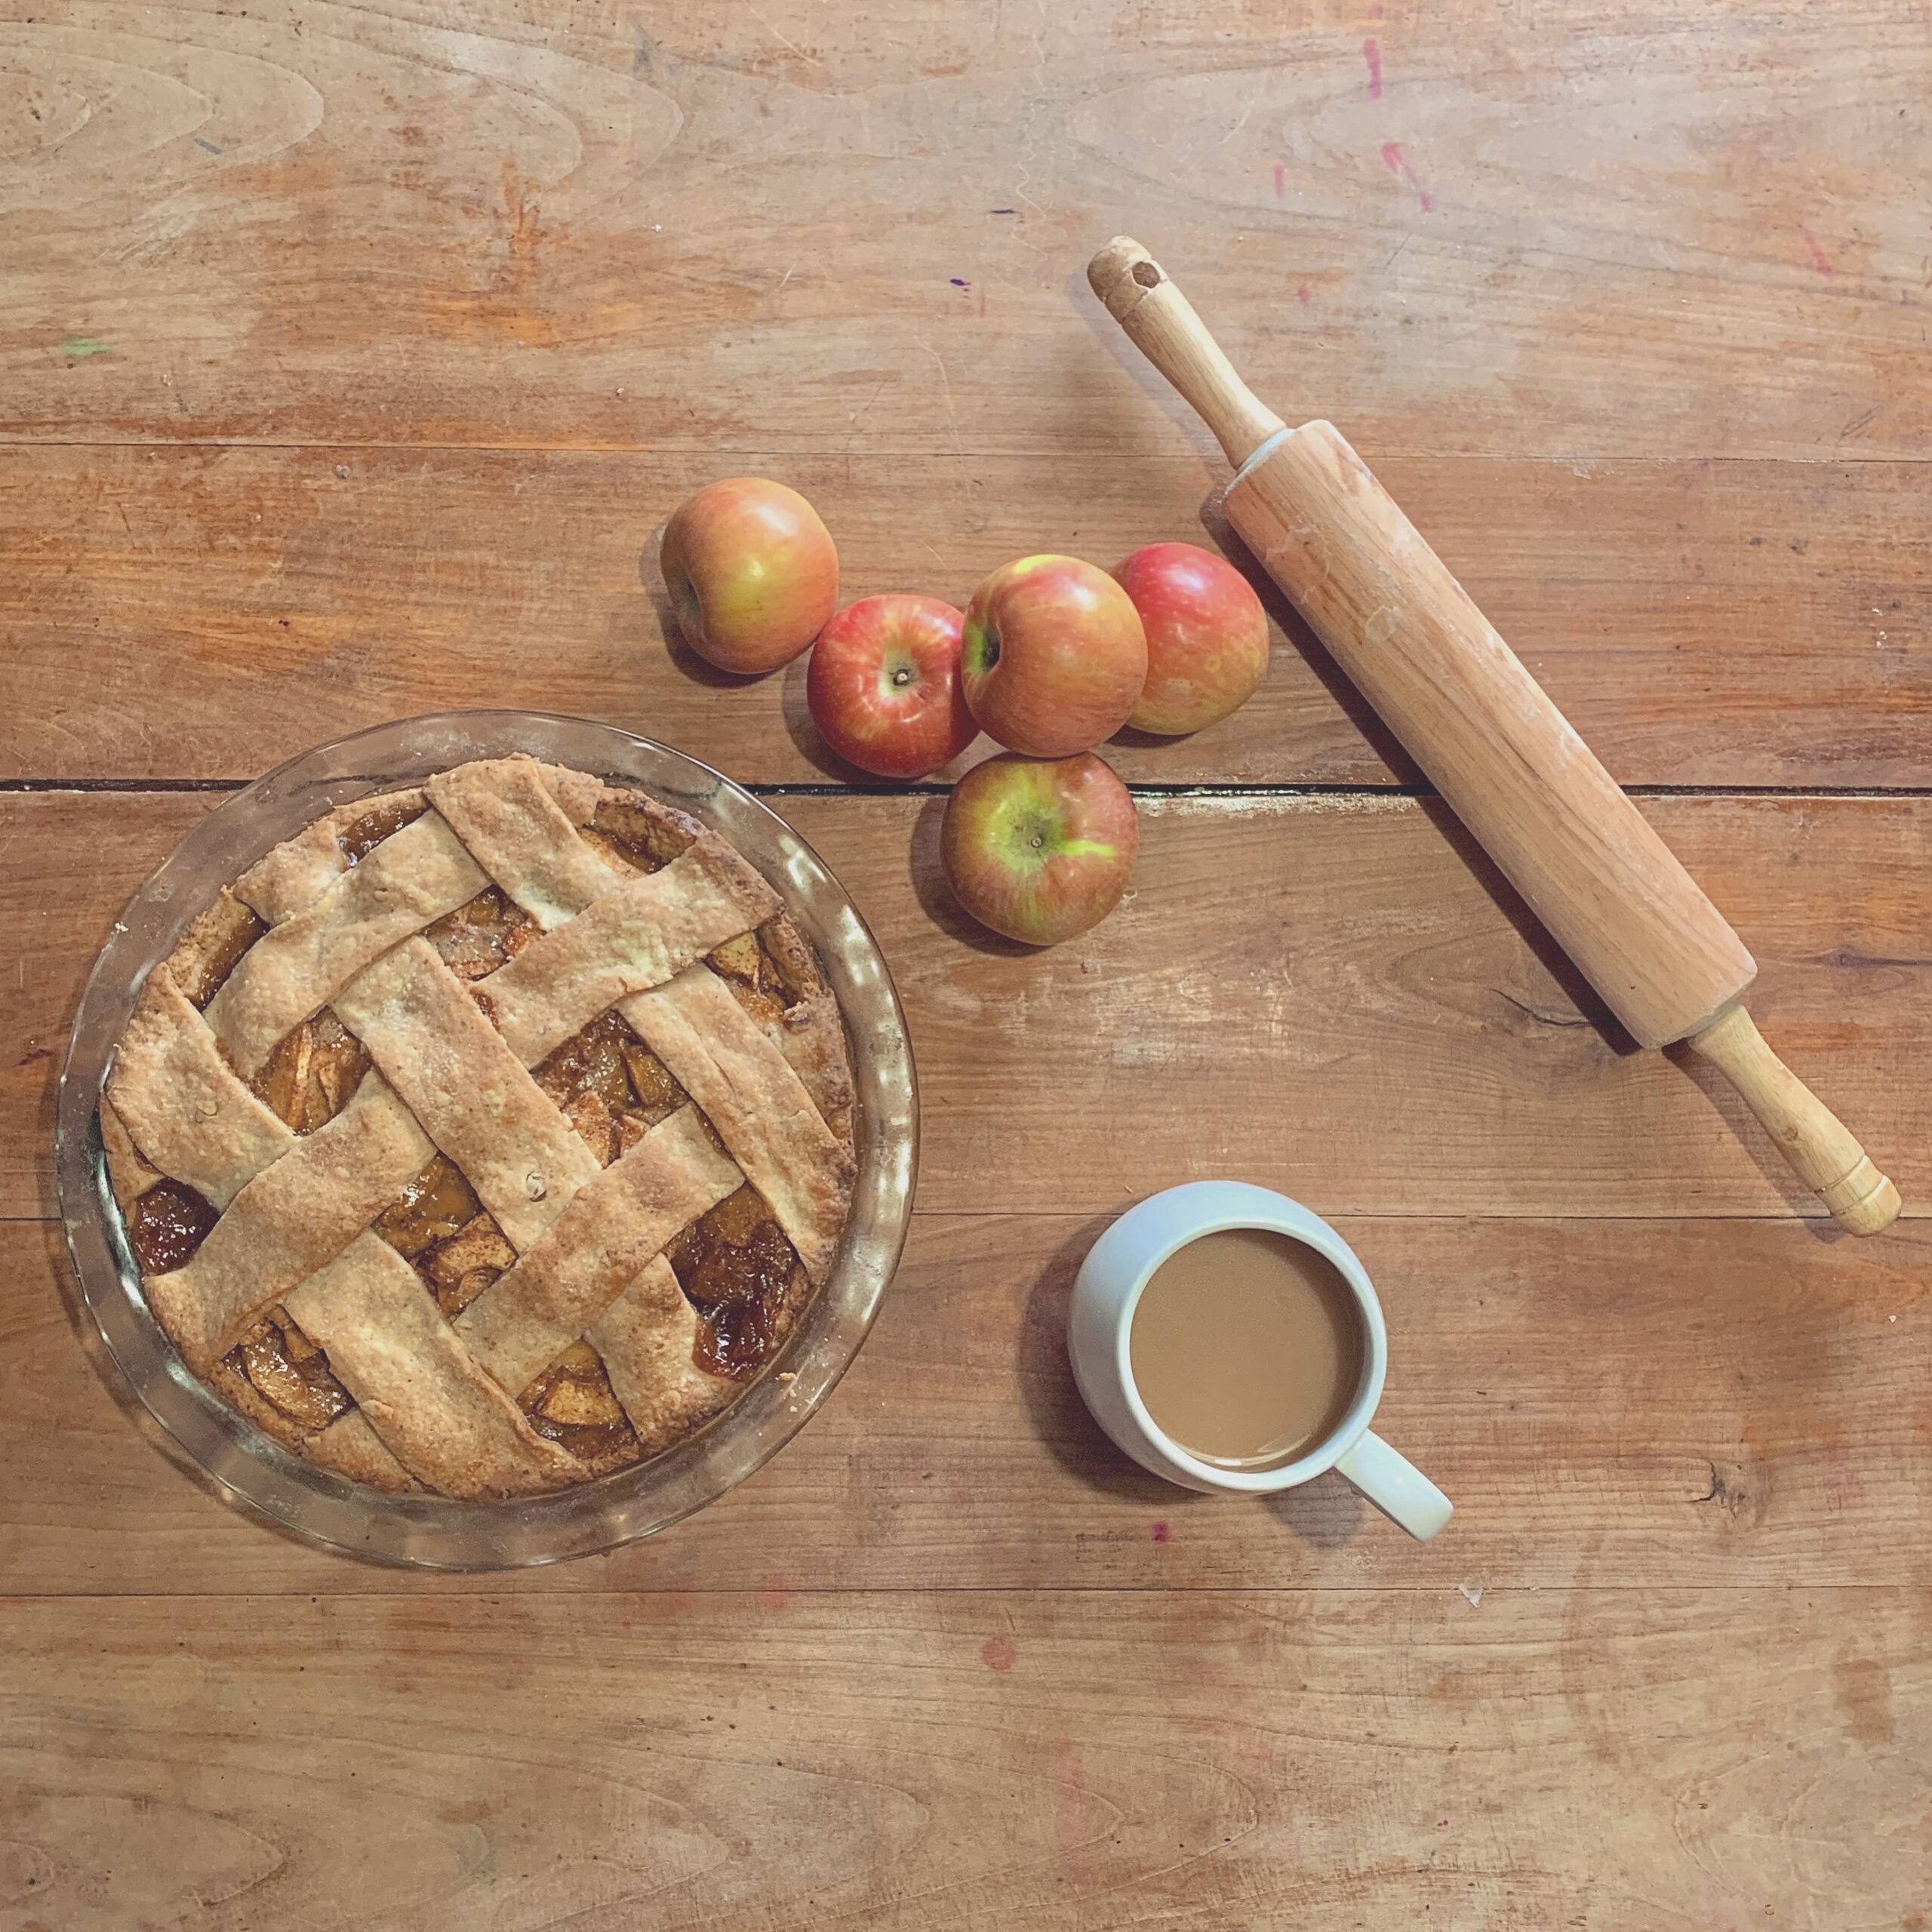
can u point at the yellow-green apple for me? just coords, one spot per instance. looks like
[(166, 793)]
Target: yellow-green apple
[(883, 686), (1039, 849), (1054, 657), (1207, 636), (753, 573)]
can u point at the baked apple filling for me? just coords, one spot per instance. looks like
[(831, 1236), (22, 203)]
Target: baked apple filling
[(526, 964)]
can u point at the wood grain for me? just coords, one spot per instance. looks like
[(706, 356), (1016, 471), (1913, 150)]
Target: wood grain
[(1822, 1150), (1356, 956), (1504, 760), (351, 354), (1727, 623), (1624, 1405), (913, 1762), (1593, 236)]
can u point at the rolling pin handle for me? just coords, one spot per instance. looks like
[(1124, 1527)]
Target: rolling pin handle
[(1811, 1137), (1161, 325), (1562, 831)]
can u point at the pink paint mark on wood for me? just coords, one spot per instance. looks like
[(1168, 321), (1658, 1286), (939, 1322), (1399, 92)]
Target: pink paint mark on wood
[(1302, 292), (1161, 1533), (1397, 163), (1820, 261), (1373, 55), (1070, 1811), (1280, 181), (998, 1653), (775, 1592)]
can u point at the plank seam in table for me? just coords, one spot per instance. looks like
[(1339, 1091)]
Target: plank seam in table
[(1649, 372)]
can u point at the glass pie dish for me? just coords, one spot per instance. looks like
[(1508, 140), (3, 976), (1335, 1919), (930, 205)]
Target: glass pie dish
[(437, 1531)]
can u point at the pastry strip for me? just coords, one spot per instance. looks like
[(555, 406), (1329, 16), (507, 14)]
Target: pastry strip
[(180, 1101), (723, 1059), (440, 1416), (407, 882), (636, 936), (615, 1224), (298, 1213), (129, 1172), (645, 1338), (301, 868), (503, 812), (811, 1035), (352, 1448), (474, 1100)]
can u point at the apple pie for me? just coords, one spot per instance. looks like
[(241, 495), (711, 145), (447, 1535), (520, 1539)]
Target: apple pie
[(484, 1137)]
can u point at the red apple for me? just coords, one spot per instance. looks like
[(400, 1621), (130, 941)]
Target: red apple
[(1039, 849), (1054, 657), (1207, 636), (884, 686), (752, 572)]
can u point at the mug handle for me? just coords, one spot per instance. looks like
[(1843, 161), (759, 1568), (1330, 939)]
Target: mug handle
[(1396, 1487)]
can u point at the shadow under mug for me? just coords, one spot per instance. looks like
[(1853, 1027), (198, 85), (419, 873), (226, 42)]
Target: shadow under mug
[(1108, 1289)]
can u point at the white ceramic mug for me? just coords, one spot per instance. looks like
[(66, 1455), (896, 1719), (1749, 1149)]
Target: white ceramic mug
[(1108, 1290)]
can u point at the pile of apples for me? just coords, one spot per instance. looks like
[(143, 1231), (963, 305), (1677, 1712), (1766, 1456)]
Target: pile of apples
[(1050, 658)]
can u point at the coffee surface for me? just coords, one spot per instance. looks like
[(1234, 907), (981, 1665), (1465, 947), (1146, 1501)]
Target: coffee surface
[(1246, 1347)]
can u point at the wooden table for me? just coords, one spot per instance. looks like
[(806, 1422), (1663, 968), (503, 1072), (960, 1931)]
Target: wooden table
[(352, 354)]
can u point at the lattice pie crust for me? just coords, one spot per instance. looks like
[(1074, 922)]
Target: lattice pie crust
[(486, 1137)]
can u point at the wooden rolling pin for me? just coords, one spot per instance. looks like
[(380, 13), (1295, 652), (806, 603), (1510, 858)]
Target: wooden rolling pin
[(1559, 827)]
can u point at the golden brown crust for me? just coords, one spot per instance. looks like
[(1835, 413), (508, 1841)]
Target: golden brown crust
[(615, 1225), (128, 1174), (577, 793), (407, 883), (442, 1418), (796, 963), (297, 1214), (469, 1091), (649, 831), (646, 1337), (503, 814), (561, 1287), (351, 1448), (811, 1035), (633, 937), (300, 869), (206, 952), (746, 1089), (181, 1102), (239, 1392), (347, 1446)]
